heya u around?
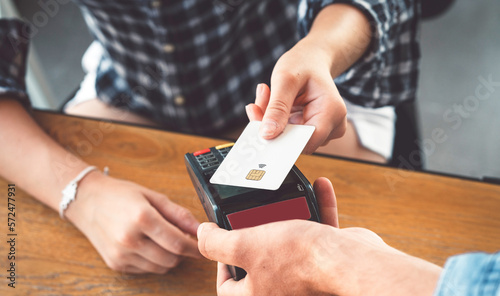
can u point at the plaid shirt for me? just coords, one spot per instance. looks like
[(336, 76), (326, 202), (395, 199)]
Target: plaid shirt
[(192, 66)]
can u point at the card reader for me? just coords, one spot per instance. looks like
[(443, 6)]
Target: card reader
[(233, 207)]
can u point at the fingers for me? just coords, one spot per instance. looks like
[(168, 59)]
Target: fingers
[(179, 216), (338, 131), (220, 245), (327, 202), (226, 286), (275, 109), (167, 235), (254, 112), (328, 115), (138, 264), (152, 252), (223, 274), (286, 87), (141, 259), (132, 270), (296, 118), (262, 95)]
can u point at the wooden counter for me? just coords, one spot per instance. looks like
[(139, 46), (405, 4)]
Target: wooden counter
[(423, 214)]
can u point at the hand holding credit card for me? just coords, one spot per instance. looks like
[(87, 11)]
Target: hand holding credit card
[(263, 164)]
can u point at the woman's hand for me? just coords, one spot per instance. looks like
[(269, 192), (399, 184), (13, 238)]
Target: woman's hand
[(303, 92), (135, 229), (302, 87)]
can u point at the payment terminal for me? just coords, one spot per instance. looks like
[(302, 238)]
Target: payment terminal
[(233, 207)]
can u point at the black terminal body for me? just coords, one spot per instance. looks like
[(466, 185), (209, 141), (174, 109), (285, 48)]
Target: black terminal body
[(233, 207)]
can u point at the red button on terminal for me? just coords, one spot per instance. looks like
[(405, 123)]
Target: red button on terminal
[(201, 152)]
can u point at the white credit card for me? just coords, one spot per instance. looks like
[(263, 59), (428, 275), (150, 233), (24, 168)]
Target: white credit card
[(263, 164)]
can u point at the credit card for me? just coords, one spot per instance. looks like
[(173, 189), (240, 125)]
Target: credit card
[(254, 162)]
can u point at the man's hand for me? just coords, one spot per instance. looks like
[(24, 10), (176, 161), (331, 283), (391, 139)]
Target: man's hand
[(135, 229), (306, 258), (280, 258)]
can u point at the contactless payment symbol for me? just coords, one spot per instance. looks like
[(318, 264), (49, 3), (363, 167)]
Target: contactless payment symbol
[(255, 175)]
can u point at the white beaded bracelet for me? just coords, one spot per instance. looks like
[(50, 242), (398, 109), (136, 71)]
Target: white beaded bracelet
[(69, 192)]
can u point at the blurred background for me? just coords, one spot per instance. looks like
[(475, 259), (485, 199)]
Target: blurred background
[(460, 134)]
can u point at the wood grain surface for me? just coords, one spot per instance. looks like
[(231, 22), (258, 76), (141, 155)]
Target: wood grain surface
[(423, 214)]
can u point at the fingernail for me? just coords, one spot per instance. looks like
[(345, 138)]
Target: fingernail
[(268, 128), (259, 90), (262, 89), (195, 225), (248, 111), (200, 229)]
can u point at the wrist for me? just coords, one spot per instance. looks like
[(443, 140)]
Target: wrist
[(78, 210), (317, 52), (329, 265), (344, 32), (391, 272), (417, 277)]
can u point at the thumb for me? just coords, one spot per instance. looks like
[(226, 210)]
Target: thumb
[(221, 245), (327, 202), (176, 214), (284, 90)]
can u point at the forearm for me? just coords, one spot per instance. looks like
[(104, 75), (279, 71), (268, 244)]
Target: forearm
[(31, 159), (403, 274), (343, 33)]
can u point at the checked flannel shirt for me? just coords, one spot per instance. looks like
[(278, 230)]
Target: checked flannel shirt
[(192, 65)]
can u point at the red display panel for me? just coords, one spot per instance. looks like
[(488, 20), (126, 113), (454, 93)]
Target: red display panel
[(279, 211)]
